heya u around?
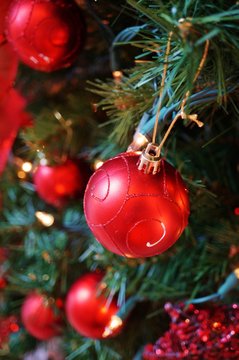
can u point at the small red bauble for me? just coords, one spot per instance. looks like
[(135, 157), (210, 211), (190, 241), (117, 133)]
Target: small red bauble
[(57, 184), (39, 318), (88, 312), (47, 35), (134, 214)]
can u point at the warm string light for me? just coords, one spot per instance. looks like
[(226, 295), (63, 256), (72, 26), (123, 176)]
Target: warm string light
[(97, 164), (21, 174), (45, 218), (139, 140), (23, 166), (27, 166), (117, 75), (115, 323)]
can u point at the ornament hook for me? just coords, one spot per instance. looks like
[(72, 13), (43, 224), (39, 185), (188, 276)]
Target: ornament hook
[(149, 160)]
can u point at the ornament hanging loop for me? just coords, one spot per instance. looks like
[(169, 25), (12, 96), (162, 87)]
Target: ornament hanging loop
[(149, 160)]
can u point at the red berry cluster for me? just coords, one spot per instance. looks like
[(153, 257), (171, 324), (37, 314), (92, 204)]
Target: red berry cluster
[(198, 333)]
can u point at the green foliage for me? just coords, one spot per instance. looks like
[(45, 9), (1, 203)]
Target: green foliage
[(220, 71), (51, 259), (123, 105)]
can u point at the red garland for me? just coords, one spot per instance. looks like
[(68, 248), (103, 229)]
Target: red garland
[(194, 333), (8, 325)]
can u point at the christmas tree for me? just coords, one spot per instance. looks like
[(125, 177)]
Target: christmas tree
[(119, 179)]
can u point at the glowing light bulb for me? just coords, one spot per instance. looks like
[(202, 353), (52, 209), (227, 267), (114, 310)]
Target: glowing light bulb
[(45, 218), (138, 142), (115, 323), (21, 174), (140, 139), (27, 166), (97, 164), (117, 75), (57, 115)]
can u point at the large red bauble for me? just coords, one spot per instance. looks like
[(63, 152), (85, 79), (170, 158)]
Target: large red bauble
[(47, 35), (86, 310), (134, 214), (57, 184), (39, 318)]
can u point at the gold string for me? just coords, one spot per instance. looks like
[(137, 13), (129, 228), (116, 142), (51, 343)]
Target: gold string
[(182, 114), (67, 126), (165, 68)]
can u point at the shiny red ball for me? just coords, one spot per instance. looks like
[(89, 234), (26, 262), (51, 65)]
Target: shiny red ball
[(57, 184), (39, 318), (133, 214), (47, 35), (87, 311)]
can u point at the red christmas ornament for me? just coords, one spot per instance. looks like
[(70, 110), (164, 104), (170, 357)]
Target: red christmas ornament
[(47, 35), (134, 214), (209, 333), (39, 317), (88, 312), (12, 116), (8, 57), (236, 211), (57, 184)]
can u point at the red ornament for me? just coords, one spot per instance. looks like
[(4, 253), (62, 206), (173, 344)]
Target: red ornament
[(236, 211), (209, 333), (12, 116), (57, 184), (39, 317), (8, 57), (47, 35), (88, 312), (134, 214)]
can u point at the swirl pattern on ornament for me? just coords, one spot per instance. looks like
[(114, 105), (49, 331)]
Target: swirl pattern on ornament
[(157, 242)]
